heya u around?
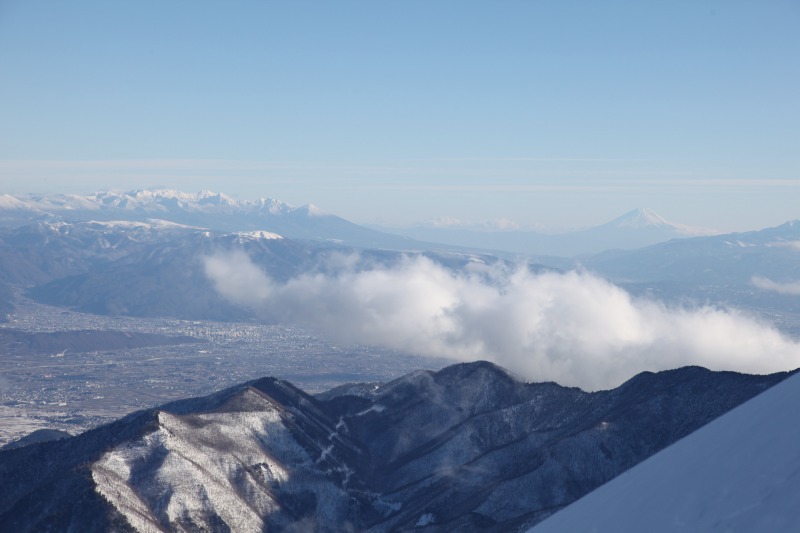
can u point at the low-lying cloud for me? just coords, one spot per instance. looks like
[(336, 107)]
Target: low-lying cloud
[(573, 328), (791, 287), (792, 245)]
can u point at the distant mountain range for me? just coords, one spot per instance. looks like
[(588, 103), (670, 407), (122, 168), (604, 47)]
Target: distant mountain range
[(635, 229), (150, 270), (207, 210), (757, 270), (166, 277), (216, 211), (738, 473), (153, 267), (721, 259), (464, 449), (48, 250)]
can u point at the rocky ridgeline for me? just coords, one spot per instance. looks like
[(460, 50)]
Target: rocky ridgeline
[(467, 448)]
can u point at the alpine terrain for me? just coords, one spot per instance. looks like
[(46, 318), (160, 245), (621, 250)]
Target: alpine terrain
[(738, 473), (467, 448)]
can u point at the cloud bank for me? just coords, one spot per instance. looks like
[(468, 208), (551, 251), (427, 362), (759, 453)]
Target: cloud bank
[(792, 287), (573, 328)]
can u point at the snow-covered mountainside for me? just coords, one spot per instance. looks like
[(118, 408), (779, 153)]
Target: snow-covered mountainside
[(205, 209), (640, 227), (741, 472), (166, 278), (466, 448), (44, 251)]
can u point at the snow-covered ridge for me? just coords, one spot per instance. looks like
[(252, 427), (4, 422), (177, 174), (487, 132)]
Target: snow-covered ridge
[(9, 202), (314, 211), (151, 223), (453, 449), (129, 227), (642, 217), (207, 210), (645, 218), (237, 484), (150, 201), (256, 236), (161, 199), (240, 464)]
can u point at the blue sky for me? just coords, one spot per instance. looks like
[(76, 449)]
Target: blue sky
[(554, 112)]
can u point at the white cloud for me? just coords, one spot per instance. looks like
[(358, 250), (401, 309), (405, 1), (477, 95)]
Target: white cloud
[(497, 224), (573, 328), (792, 245), (237, 278), (792, 287)]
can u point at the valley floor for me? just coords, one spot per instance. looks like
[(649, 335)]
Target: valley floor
[(75, 391)]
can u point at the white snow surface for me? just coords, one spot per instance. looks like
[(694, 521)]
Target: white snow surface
[(641, 218), (156, 201), (426, 520), (258, 235), (150, 223), (740, 472), (314, 211), (645, 218), (220, 462), (9, 202)]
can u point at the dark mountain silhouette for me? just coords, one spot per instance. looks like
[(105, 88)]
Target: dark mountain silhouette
[(467, 448)]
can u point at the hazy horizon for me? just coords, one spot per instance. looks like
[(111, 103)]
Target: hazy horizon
[(562, 114), (444, 222)]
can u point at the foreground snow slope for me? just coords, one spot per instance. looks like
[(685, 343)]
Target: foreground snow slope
[(741, 472)]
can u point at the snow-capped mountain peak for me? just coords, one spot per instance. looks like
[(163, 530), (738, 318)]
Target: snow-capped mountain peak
[(272, 206), (9, 202), (645, 219), (312, 210), (642, 217), (205, 209), (210, 198)]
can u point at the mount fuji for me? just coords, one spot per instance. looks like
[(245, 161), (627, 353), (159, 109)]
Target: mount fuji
[(645, 218), (217, 211), (635, 229)]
